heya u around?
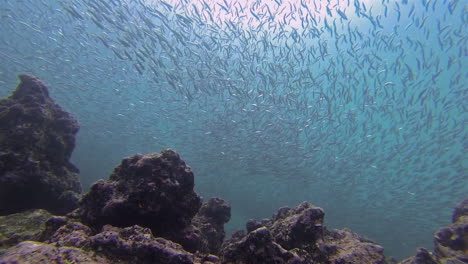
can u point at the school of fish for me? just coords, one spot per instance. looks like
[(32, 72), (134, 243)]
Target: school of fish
[(356, 106)]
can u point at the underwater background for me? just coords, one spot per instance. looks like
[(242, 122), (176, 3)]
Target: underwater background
[(356, 106)]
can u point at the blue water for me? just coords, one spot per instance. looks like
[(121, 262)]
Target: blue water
[(355, 106)]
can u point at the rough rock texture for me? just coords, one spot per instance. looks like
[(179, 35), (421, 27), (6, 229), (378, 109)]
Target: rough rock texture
[(450, 243), (297, 235), (153, 190), (30, 252), (422, 257), (36, 140), (133, 244), (344, 246), (206, 233), (298, 226), (258, 247), (20, 227), (137, 245)]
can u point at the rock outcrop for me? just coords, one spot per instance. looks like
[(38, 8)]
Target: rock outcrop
[(297, 235), (153, 191), (37, 138), (133, 244), (206, 232), (450, 243)]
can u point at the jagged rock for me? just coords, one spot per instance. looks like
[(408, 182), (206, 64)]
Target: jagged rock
[(461, 210), (300, 232), (153, 190), (137, 245), (128, 245), (22, 226), (257, 247), (346, 247), (30, 252), (298, 226), (450, 243), (36, 141), (423, 256)]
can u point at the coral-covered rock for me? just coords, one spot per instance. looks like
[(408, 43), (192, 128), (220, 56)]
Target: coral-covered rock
[(30, 252), (36, 141), (22, 226), (257, 247), (153, 190)]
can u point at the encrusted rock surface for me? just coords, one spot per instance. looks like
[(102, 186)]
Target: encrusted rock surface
[(258, 246), (206, 233), (22, 226), (344, 246), (297, 235), (36, 141), (450, 243), (31, 252), (152, 190), (128, 245)]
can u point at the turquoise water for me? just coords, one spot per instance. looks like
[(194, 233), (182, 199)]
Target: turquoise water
[(356, 106)]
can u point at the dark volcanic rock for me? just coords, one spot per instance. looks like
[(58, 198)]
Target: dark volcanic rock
[(153, 190), (22, 226), (36, 140), (300, 232)]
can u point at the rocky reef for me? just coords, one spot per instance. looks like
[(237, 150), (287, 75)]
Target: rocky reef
[(297, 235), (23, 226), (37, 138), (450, 243), (153, 190), (147, 210)]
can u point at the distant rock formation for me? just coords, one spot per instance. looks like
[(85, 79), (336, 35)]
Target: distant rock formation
[(36, 141), (450, 243)]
